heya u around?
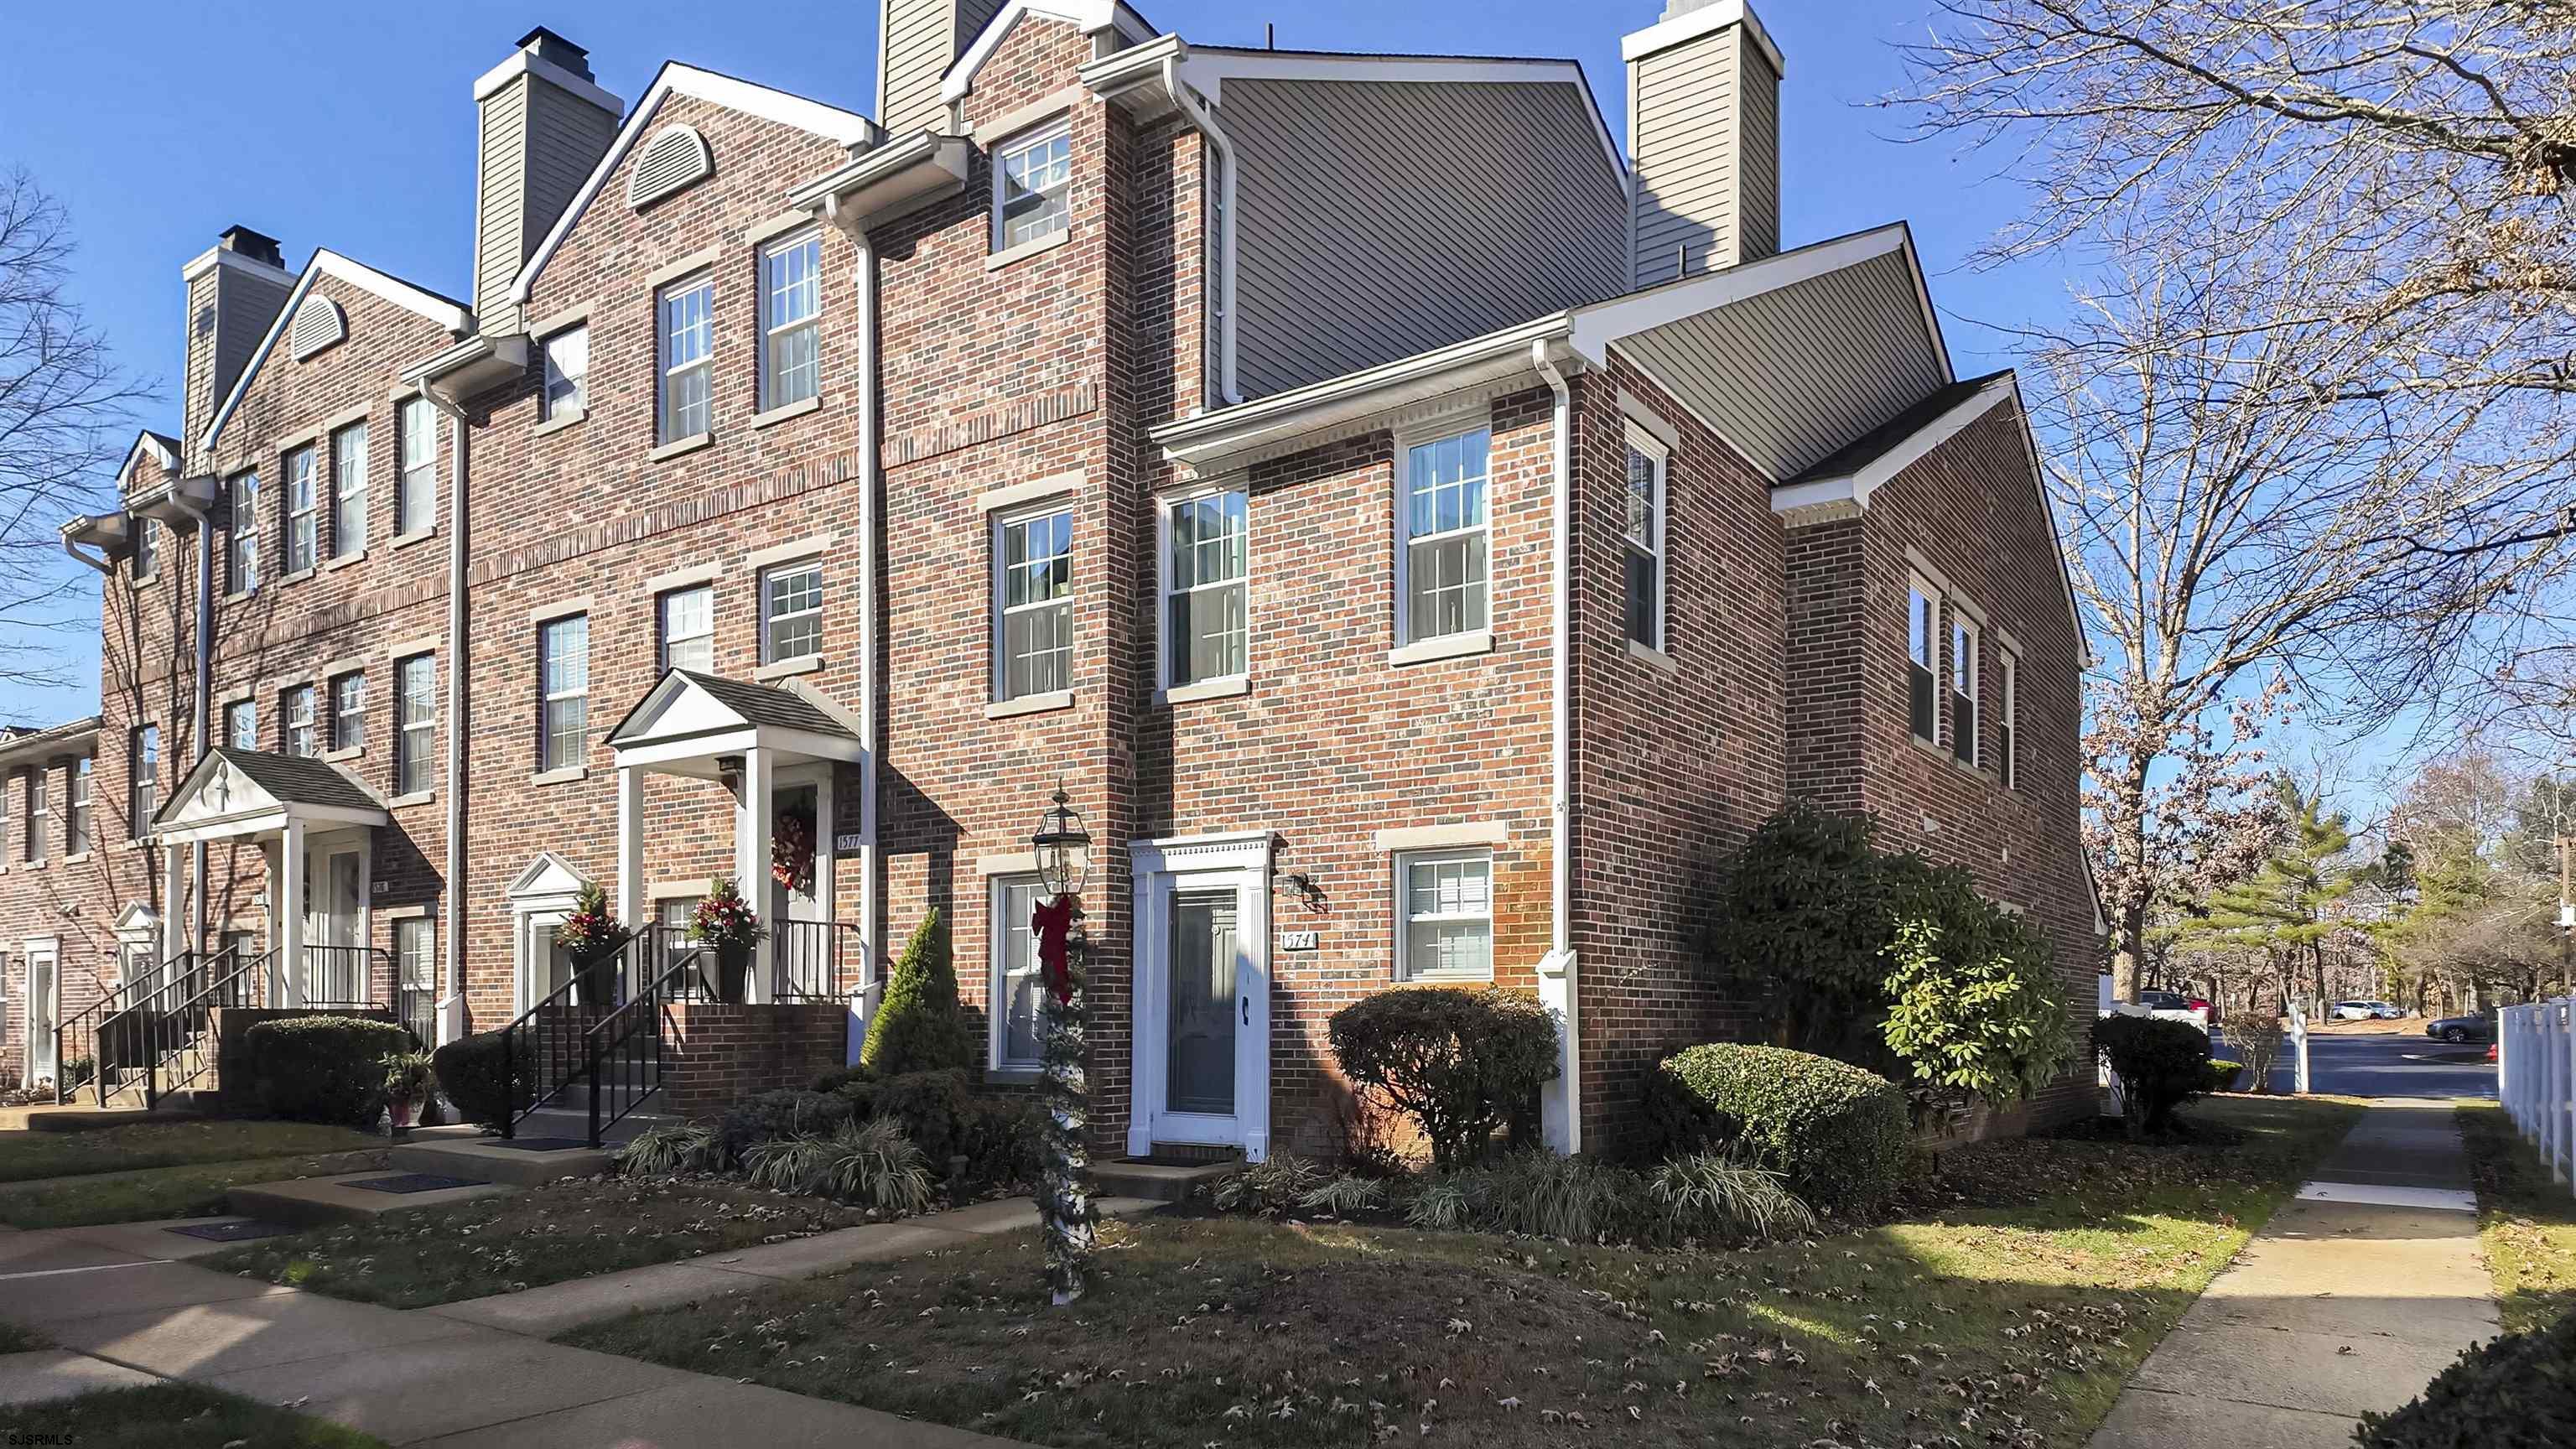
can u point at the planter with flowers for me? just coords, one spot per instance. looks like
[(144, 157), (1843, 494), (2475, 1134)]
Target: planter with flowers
[(592, 936), (409, 1079), (726, 922)]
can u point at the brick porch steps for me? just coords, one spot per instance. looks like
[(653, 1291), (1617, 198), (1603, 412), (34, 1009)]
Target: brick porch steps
[(1158, 1182), (317, 1201), (467, 1152)]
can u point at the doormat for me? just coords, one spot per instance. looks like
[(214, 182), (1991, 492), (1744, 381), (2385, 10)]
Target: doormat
[(414, 1182), (241, 1232), (534, 1144), (1179, 1157)]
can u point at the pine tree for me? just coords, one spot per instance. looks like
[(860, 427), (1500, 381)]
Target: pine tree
[(919, 1026), (2285, 908)]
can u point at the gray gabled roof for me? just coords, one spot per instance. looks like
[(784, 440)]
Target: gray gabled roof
[(758, 704), (1879, 441), (292, 779)]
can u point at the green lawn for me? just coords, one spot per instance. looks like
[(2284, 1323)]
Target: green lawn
[(2008, 1308), (25, 1154), (2526, 1223), (171, 1416), (161, 1192), (570, 1229)]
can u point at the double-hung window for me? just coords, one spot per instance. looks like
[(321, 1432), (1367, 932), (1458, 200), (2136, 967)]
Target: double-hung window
[(1031, 175), (76, 819), (1923, 660), (1015, 983), (143, 778), (791, 611), (1443, 560), (295, 716), (1033, 595), (416, 486), (415, 722), (1205, 587), (567, 366), (241, 508), (241, 724), (687, 353), (1963, 688), (302, 523), (349, 490), (147, 551), (348, 711), (2008, 739), (791, 320), (1649, 463), (563, 649), (40, 812), (416, 954), (688, 619), (1444, 916)]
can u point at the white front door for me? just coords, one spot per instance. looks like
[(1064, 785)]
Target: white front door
[(1202, 1007), (334, 969), (43, 999)]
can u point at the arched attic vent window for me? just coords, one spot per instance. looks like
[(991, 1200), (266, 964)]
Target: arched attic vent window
[(318, 324), (677, 157)]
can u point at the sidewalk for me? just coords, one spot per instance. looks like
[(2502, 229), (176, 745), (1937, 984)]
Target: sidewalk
[(2351, 1299)]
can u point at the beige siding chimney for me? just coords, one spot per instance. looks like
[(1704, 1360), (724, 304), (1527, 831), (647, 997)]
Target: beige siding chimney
[(922, 39), (1703, 140), (544, 125), (234, 292)]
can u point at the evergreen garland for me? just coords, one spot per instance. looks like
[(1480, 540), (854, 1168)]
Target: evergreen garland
[(1065, 1209)]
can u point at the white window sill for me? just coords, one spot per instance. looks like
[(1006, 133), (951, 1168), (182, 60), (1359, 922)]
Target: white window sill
[(1026, 250), (416, 797), (784, 411), (1014, 1076), (564, 776), (76, 859), (1444, 978), (781, 669), (1649, 654), (1227, 687), (343, 560), (353, 752), (1029, 704), (145, 581), (559, 422), (297, 577), (33, 864), (1447, 646), (678, 446), (137, 843), (239, 596), (406, 540)]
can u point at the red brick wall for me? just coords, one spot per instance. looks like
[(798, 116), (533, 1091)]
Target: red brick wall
[(71, 899), (719, 1054)]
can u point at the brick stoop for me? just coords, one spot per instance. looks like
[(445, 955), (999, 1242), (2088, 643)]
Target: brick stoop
[(1157, 1181), (492, 1160)]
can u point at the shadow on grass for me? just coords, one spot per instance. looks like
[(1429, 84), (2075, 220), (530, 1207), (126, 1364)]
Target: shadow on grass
[(2526, 1222)]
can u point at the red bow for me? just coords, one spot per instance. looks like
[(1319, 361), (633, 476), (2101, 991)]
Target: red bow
[(1050, 922)]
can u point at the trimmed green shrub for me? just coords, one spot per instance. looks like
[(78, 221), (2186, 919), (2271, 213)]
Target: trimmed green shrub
[(1835, 1133), (2513, 1392), (776, 1116), (322, 1068), (919, 1026), (2223, 1074), (1460, 1061), (469, 1077), (1974, 1006), (2161, 1064)]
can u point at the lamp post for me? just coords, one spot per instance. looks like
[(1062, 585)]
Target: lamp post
[(1064, 1198)]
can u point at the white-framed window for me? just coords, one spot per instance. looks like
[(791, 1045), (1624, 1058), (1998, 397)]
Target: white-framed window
[(1012, 1013), (40, 812), (147, 551), (791, 610), (295, 717), (1033, 603), (415, 722), (143, 779), (349, 490), (1444, 926), (241, 724), (2008, 740), (241, 509), (1206, 586), (1923, 660), (416, 486), (1963, 688), (1031, 175), (416, 953), (1441, 569), (791, 319), (563, 683), (687, 619), (567, 355), (8, 807), (1649, 464), (76, 819), (302, 523), (687, 355), (348, 710)]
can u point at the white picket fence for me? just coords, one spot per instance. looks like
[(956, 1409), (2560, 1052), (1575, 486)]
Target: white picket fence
[(2536, 1078)]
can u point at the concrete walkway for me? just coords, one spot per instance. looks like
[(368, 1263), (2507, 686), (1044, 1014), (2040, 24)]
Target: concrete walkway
[(2350, 1300)]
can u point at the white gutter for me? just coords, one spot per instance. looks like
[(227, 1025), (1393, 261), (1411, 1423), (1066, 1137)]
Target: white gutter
[(203, 703), (870, 928), (451, 1001), (1561, 1105), (1187, 102)]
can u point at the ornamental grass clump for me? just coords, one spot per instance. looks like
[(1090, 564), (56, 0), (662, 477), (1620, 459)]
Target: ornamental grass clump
[(870, 1164), (1708, 1195), (669, 1148)]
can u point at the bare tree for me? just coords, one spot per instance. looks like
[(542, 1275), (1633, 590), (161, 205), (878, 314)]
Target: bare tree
[(63, 399)]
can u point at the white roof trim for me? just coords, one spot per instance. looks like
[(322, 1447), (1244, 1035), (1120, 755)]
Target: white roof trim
[(1602, 323), (146, 438), (365, 278), (849, 128), (1856, 486), (1087, 16), (217, 256), (1209, 67), (1664, 35)]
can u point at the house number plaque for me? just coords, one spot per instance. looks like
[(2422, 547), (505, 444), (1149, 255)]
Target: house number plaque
[(1298, 940)]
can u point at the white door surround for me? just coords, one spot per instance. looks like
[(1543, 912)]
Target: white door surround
[(44, 1006), (540, 899), (1191, 865)]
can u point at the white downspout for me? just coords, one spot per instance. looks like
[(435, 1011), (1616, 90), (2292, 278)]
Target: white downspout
[(1195, 111), (871, 902), (451, 1001), (203, 704), (1561, 1106)]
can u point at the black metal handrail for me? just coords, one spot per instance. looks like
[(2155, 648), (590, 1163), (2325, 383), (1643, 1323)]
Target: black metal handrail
[(818, 960), (339, 976), (144, 1034), (84, 1027), (227, 980), (627, 1047), (542, 1052)]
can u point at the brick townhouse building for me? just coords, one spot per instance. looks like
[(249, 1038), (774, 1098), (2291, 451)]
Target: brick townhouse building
[(1421, 538)]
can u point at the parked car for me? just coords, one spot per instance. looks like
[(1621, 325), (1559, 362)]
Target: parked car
[(2462, 1028), (2355, 1011), (2387, 1010), (2163, 1001)]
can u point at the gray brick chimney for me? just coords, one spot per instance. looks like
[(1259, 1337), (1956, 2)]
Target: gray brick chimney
[(235, 289), (1703, 141), (544, 124)]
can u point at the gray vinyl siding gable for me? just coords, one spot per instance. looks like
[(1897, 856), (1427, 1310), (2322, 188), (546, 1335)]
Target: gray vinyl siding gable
[(1682, 122), (922, 39), (1380, 219), (566, 138), (1758, 193), (502, 201)]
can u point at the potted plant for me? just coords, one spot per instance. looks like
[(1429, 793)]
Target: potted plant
[(409, 1078), (727, 923), (592, 936)]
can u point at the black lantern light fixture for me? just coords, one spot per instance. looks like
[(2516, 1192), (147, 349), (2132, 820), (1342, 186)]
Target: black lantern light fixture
[(1063, 849)]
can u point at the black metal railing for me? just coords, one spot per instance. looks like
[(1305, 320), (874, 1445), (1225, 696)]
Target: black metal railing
[(172, 1031), (82, 1043), (338, 976), (628, 1047), (818, 960)]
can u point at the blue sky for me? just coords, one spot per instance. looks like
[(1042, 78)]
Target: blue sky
[(352, 126)]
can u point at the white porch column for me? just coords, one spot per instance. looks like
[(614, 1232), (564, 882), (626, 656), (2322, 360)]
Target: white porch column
[(290, 916), (174, 895), (630, 846), (755, 823)]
